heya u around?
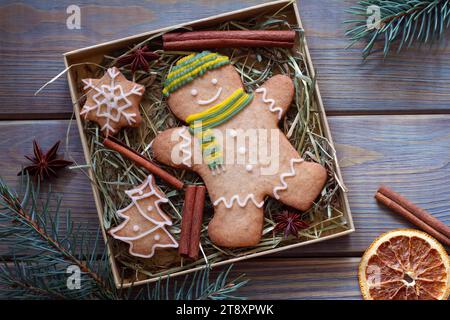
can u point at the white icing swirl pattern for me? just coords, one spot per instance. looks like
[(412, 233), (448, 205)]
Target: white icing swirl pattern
[(242, 203), (271, 101), (283, 185), (185, 146)]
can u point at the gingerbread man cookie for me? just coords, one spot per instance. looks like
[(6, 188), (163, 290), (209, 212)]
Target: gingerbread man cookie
[(233, 142), (112, 101), (144, 227)]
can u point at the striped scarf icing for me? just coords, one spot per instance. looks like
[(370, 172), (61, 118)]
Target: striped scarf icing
[(200, 125), (191, 67)]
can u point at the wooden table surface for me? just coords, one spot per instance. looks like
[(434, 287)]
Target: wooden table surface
[(390, 120)]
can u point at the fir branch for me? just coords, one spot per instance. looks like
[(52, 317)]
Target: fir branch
[(41, 255), (401, 21), (199, 287), (38, 231)]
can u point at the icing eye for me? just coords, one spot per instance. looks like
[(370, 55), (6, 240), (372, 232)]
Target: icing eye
[(136, 228), (194, 92), (149, 208), (214, 81), (156, 237), (249, 167)]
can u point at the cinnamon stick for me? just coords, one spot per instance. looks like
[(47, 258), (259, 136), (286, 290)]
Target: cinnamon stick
[(417, 211), (186, 221), (195, 40), (414, 214), (197, 219), (223, 43), (270, 35), (115, 144)]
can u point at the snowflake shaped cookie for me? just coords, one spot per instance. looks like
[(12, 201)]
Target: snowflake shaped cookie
[(112, 101)]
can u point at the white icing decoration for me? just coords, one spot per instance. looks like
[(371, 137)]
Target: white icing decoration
[(214, 81), (242, 150), (249, 167), (232, 133), (283, 176), (185, 146), (194, 92), (157, 237), (149, 208), (235, 198), (214, 98), (271, 101), (136, 228), (110, 98), (159, 224)]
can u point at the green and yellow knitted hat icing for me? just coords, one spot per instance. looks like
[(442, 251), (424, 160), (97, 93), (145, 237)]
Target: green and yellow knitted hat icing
[(191, 67)]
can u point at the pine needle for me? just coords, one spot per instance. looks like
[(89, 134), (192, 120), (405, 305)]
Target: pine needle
[(401, 22)]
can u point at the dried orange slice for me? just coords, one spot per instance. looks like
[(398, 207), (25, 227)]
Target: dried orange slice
[(405, 264)]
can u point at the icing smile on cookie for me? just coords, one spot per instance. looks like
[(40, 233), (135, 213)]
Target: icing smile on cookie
[(212, 99), (214, 81)]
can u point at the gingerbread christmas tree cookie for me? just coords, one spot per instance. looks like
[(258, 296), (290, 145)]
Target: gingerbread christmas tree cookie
[(144, 227), (112, 101)]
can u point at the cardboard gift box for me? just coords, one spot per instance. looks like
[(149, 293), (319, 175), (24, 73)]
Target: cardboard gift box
[(94, 54)]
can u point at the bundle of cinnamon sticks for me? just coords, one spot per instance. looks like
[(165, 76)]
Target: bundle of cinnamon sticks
[(199, 40), (191, 223), (414, 214)]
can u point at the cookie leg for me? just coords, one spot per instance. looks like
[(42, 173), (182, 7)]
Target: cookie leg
[(302, 188), (236, 226)]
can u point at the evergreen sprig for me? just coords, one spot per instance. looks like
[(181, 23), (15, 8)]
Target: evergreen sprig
[(40, 255), (401, 21)]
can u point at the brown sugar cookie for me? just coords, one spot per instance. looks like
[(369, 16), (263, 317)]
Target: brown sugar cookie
[(233, 142), (112, 101), (144, 227)]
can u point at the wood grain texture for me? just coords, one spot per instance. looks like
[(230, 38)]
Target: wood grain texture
[(295, 278), (408, 153), (33, 37), (411, 81), (300, 278), (73, 185)]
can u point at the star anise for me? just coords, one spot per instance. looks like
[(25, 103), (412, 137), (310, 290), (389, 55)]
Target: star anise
[(289, 223), (138, 58), (44, 165)]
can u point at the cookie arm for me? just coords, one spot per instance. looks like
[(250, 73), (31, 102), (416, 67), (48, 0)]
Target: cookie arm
[(277, 94), (174, 147)]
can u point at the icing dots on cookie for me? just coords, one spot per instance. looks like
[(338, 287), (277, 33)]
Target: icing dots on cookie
[(144, 221)]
